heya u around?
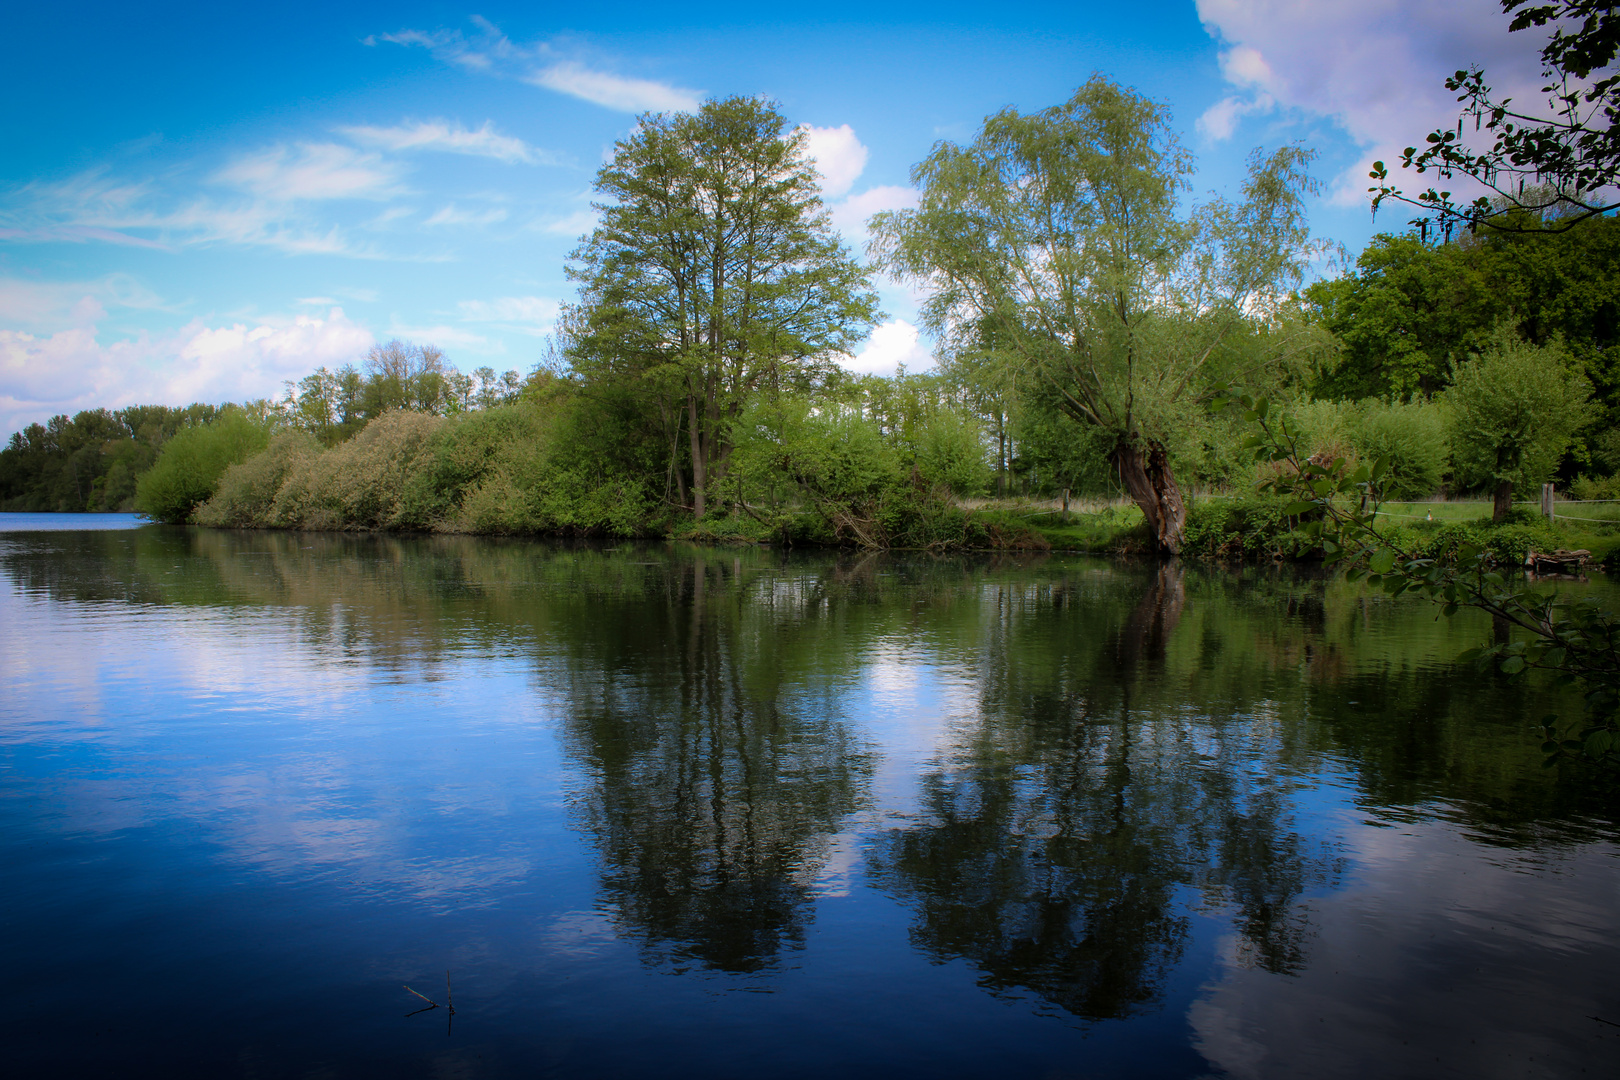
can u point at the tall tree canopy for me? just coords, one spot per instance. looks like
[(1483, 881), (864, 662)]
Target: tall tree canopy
[(1410, 312), (1060, 235), (713, 275)]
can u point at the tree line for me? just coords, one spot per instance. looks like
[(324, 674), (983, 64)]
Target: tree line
[(1084, 307)]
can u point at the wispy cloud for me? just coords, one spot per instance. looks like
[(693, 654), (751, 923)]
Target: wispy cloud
[(614, 91), (452, 215), (312, 171), (451, 138), (481, 53), (445, 337), (546, 65), (578, 223), (524, 314), (272, 206), (47, 306)]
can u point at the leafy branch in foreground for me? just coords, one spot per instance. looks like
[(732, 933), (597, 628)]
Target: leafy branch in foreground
[(1559, 162), (1577, 643)]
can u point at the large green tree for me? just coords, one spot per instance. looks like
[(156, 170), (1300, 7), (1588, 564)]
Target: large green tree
[(715, 274), (1061, 235), (1514, 410), (1409, 311)]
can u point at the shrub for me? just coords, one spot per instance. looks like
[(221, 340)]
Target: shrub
[(1413, 437), (189, 468), (1250, 527), (468, 452), (1506, 542), (359, 484), (951, 452), (247, 490)]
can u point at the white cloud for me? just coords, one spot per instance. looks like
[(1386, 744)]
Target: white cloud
[(451, 46), (312, 171), (1376, 67), (579, 223), (492, 52), (850, 216), (444, 336), (450, 215), (197, 362), (527, 314), (452, 138), (90, 206), (839, 156), (1220, 120), (614, 91), (892, 344)]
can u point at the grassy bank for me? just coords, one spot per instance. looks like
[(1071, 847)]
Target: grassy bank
[(1248, 527)]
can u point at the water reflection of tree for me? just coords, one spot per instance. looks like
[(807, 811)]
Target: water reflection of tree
[(714, 786), (1063, 847)]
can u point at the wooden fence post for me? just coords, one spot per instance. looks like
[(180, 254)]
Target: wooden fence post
[(1547, 501)]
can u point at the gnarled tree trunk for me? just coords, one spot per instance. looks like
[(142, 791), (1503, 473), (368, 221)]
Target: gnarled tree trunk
[(1145, 469)]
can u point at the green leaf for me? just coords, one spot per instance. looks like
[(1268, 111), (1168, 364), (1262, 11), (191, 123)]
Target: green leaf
[(1382, 561), (1294, 509), (1513, 665)]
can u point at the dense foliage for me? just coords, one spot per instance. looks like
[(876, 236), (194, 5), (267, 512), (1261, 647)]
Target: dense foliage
[(91, 461), (1056, 246)]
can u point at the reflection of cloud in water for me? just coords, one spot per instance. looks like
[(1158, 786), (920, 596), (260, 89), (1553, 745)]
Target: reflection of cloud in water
[(183, 699), (578, 934), (1442, 952), (912, 709)]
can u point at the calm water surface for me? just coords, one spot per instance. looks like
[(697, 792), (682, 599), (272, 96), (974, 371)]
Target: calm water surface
[(674, 812)]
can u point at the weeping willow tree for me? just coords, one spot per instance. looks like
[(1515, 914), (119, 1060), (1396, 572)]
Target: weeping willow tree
[(1062, 236)]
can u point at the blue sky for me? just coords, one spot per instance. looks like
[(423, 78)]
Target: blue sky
[(199, 202)]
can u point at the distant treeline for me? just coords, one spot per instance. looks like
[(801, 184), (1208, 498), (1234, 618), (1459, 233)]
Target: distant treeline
[(91, 461)]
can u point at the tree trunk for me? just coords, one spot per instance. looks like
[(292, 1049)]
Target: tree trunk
[(1145, 470), (1503, 500), (700, 480)]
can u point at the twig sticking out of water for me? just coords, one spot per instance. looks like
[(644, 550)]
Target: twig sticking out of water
[(425, 998), (1600, 1020), (448, 996)]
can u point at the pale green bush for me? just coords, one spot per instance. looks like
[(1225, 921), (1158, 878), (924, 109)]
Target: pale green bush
[(247, 491), (360, 484)]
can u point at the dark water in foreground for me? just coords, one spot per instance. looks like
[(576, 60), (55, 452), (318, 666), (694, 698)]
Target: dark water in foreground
[(670, 812)]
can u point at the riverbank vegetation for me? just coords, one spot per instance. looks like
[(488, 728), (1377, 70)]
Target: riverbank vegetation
[(692, 390)]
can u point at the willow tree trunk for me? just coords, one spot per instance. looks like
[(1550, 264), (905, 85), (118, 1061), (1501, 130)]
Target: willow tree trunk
[(1502, 501), (1145, 470)]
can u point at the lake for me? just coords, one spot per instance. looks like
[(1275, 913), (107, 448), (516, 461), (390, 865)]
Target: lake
[(673, 811)]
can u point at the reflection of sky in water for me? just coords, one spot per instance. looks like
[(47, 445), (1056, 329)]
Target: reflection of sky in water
[(343, 770)]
